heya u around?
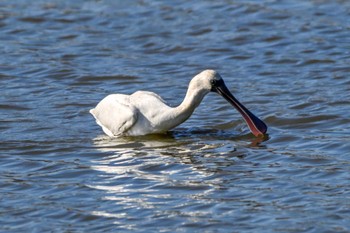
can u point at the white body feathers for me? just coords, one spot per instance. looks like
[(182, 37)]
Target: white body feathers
[(147, 113)]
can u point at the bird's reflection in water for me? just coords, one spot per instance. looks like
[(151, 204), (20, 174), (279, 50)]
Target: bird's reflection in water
[(183, 166), (194, 147)]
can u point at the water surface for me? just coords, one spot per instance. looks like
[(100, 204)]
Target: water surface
[(287, 61)]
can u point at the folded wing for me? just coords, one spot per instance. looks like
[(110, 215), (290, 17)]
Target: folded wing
[(115, 114)]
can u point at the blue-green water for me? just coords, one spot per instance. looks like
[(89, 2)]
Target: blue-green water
[(287, 61)]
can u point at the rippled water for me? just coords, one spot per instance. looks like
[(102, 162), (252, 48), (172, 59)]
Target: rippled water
[(287, 61)]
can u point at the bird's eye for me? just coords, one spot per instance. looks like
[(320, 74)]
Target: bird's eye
[(213, 82)]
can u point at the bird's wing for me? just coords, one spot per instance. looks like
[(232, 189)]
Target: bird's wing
[(115, 114)]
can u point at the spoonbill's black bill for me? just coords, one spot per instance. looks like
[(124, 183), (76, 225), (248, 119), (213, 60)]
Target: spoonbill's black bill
[(256, 126)]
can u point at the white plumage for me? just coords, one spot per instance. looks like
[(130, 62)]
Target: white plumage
[(145, 112)]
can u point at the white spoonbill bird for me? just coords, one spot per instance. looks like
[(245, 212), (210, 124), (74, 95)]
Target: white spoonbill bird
[(145, 112)]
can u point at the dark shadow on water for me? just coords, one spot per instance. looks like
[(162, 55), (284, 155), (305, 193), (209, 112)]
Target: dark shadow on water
[(181, 138), (216, 134)]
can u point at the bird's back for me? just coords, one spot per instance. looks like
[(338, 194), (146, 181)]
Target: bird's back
[(136, 114), (151, 109)]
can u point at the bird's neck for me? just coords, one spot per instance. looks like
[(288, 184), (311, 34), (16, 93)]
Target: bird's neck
[(192, 99)]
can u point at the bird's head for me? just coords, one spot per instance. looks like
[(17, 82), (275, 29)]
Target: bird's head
[(206, 80), (211, 81)]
